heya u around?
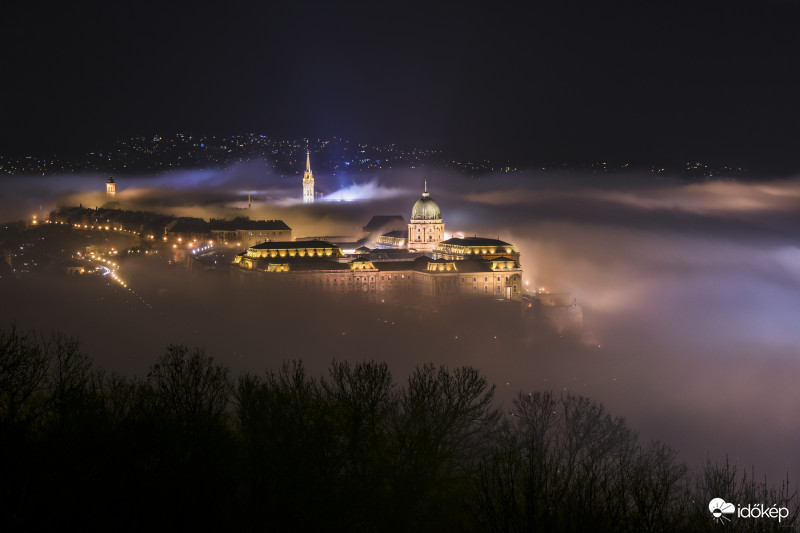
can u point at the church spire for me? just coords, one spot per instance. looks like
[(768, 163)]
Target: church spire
[(425, 194), (308, 181)]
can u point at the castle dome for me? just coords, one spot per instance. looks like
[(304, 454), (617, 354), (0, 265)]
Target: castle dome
[(426, 208)]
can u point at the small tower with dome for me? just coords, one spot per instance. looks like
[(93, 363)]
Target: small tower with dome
[(426, 229)]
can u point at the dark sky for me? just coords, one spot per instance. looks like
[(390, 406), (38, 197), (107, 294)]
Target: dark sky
[(651, 82)]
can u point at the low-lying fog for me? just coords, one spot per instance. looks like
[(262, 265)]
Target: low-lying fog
[(690, 292)]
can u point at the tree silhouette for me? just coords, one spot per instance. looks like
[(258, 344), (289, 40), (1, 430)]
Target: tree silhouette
[(23, 370), (288, 464), (187, 447), (185, 423), (444, 417), (363, 406), (564, 464)]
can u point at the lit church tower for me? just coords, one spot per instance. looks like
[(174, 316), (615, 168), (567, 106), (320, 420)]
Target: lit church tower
[(111, 188), (308, 182), (426, 229)]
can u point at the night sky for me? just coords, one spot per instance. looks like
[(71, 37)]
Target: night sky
[(647, 82)]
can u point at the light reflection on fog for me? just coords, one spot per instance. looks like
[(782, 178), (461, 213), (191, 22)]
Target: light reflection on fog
[(691, 291)]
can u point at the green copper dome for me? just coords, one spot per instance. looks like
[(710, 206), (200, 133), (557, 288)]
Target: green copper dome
[(426, 208)]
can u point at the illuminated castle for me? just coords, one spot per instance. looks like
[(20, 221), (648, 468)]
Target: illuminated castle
[(308, 181), (426, 229), (111, 188), (427, 265)]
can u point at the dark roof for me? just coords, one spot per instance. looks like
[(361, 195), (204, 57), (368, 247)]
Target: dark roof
[(244, 223), (392, 266), (198, 225), (475, 241), (286, 245), (470, 267), (393, 253), (189, 225), (502, 258), (380, 221), (398, 234), (311, 264), (350, 245), (321, 238), (306, 264), (421, 264)]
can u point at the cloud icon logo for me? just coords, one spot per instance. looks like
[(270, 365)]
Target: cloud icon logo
[(719, 508)]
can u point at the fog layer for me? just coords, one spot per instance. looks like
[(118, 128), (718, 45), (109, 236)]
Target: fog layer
[(690, 292)]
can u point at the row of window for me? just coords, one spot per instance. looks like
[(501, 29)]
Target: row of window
[(486, 289), (370, 278), (485, 279), (335, 281)]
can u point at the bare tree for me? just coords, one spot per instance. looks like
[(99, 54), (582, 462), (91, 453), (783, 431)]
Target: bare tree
[(362, 406), (564, 464), (444, 418), (290, 463), (24, 367), (723, 480), (189, 387)]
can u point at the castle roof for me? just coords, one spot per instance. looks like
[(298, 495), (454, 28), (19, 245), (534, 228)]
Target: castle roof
[(397, 234), (426, 209), (244, 223), (475, 241), (292, 245), (381, 221)]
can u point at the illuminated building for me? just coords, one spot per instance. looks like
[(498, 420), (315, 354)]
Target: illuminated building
[(464, 248), (308, 181), (278, 250), (394, 239), (249, 232), (380, 225), (426, 229), (460, 268), (111, 188), (323, 265), (240, 230)]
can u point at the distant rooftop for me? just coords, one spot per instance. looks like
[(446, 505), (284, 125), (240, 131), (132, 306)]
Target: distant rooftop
[(381, 221), (292, 245), (244, 223), (475, 241)]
